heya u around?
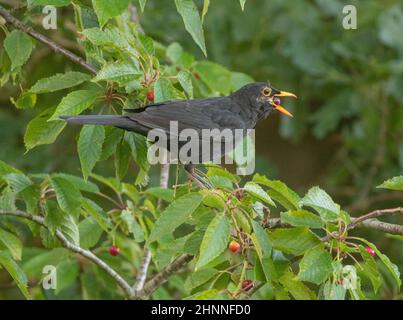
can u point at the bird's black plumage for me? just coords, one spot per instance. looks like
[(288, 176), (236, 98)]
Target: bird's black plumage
[(240, 110)]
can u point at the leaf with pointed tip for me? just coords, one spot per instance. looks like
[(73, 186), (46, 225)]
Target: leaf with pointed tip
[(90, 147)]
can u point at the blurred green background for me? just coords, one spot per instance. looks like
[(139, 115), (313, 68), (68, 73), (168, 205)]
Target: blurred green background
[(347, 130)]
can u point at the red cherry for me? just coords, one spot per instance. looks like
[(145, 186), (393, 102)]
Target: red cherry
[(114, 251), (234, 247), (247, 284), (370, 250), (150, 95), (276, 101)]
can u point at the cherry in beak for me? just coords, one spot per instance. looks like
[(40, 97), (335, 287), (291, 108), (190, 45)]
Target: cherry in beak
[(277, 101)]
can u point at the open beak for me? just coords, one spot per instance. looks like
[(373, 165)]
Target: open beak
[(281, 108)]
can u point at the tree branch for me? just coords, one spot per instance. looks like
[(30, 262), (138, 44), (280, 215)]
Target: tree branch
[(77, 249), (40, 37), (374, 214), (162, 276)]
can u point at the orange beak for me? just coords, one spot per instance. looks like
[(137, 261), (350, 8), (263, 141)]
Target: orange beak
[(281, 108)]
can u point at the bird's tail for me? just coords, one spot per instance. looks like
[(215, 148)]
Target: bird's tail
[(119, 121)]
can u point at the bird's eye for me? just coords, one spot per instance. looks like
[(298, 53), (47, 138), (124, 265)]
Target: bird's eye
[(267, 92)]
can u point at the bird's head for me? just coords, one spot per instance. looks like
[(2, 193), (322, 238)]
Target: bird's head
[(262, 94)]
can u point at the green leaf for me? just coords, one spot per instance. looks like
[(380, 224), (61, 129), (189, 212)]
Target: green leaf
[(34, 266), (333, 291), (174, 215), (90, 233), (26, 100), (216, 77), (67, 273), (67, 195), (40, 131), (261, 240), (161, 193), (200, 277), (320, 201), (107, 9), (185, 79), (164, 90), (301, 218), (370, 269), (15, 272), (12, 243), (256, 191), (5, 169), (90, 147), (295, 287), (109, 37), (191, 18), (132, 225), (393, 269), (78, 182), (17, 181), (96, 212), (395, 183), (56, 3), (59, 81), (70, 229), (75, 103), (294, 241), (316, 265), (119, 72), (279, 191), (18, 46), (215, 240), (122, 158), (239, 79)]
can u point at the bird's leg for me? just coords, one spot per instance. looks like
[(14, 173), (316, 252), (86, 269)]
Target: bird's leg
[(197, 178)]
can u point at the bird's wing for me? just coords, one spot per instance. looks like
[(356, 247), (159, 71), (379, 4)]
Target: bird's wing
[(198, 114)]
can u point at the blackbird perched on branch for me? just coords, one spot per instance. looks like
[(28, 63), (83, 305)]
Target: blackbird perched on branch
[(240, 110)]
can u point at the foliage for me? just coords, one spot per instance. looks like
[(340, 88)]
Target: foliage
[(309, 255)]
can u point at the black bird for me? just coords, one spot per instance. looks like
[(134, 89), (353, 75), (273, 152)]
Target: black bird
[(240, 110)]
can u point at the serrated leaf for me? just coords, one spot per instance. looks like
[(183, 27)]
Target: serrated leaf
[(320, 201), (261, 240), (67, 195), (164, 90), (191, 18), (59, 81), (90, 233), (110, 37), (12, 243), (256, 191), (70, 229), (75, 103), (294, 241), (17, 181), (18, 46), (296, 288), (395, 183), (301, 218), (16, 273), (370, 269), (174, 215), (215, 240), (132, 225), (279, 191), (333, 291), (200, 277), (5, 169), (90, 147), (316, 265), (185, 80), (393, 269), (40, 131), (121, 73), (107, 9), (78, 182), (161, 193)]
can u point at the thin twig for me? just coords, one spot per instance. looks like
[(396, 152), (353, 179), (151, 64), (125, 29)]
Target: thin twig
[(40, 37), (374, 214), (75, 248), (163, 276)]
